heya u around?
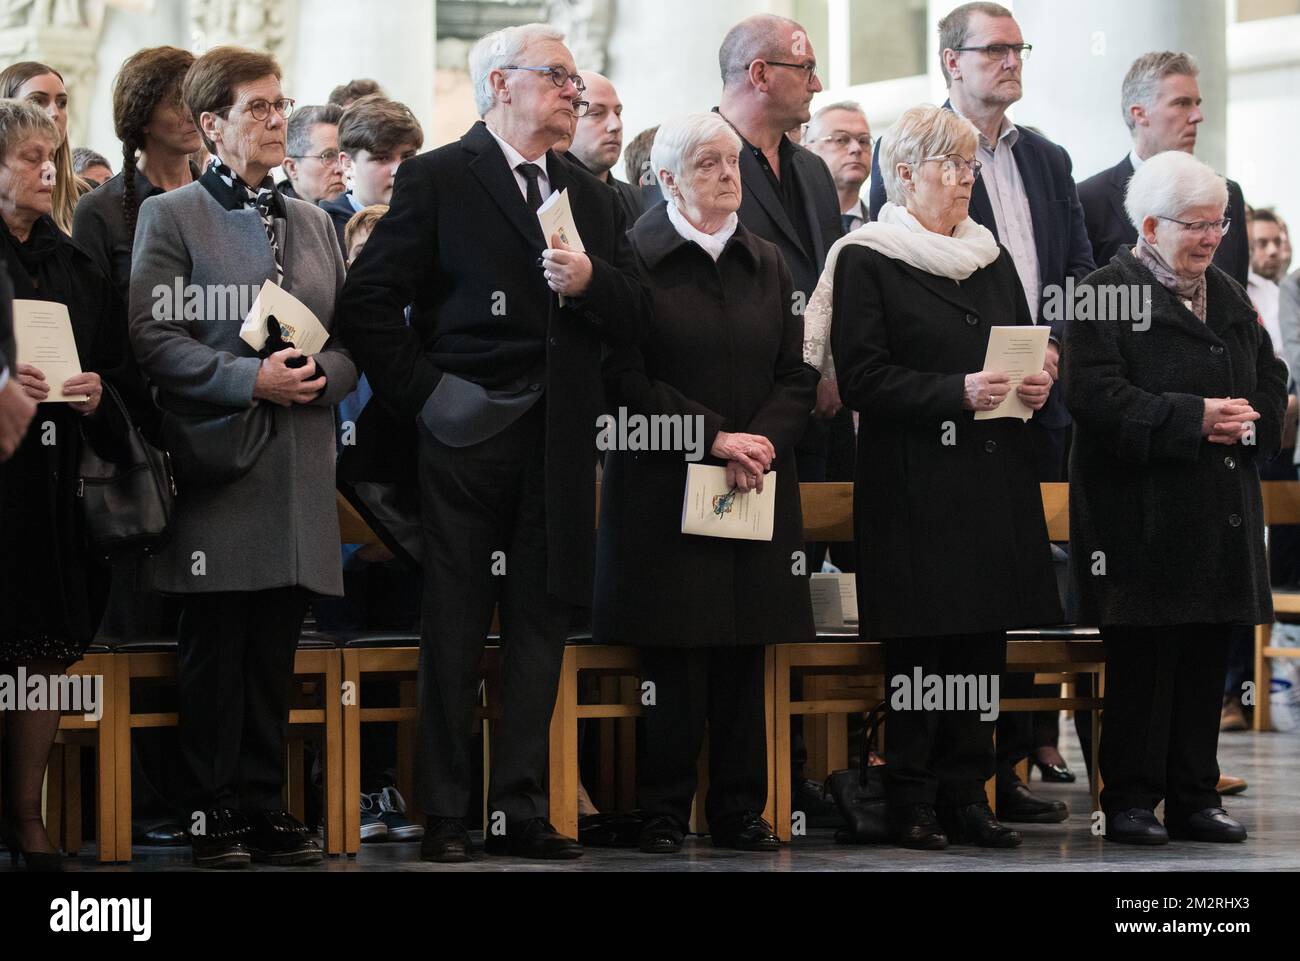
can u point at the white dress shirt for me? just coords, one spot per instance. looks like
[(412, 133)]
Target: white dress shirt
[(1265, 295), (514, 158)]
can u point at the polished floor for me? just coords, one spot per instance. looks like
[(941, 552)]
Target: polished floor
[(1270, 809)]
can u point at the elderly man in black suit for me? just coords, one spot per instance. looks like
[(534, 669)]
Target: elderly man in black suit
[(504, 380), (1026, 196), (1162, 107)]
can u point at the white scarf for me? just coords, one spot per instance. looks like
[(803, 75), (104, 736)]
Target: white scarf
[(713, 243), (900, 236)]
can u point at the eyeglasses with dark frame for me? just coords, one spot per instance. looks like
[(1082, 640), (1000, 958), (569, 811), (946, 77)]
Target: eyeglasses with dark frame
[(329, 157), (997, 52), (559, 76), (261, 109), (842, 139), (1200, 226), (809, 69), (954, 163)]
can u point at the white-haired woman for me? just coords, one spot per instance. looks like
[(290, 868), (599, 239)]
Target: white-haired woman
[(723, 357), (1176, 403), (952, 545)]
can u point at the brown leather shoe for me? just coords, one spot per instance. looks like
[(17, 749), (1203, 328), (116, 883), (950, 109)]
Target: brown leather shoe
[(1230, 785), (1233, 717)]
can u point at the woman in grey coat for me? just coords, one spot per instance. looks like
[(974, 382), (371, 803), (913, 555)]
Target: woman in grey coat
[(247, 554)]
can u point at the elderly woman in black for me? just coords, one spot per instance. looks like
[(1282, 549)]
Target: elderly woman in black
[(1176, 402), (723, 359), (951, 540), (51, 592)]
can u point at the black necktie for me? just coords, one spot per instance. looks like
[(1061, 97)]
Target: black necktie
[(531, 172), (848, 222)]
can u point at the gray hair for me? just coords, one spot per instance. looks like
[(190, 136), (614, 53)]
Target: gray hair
[(1142, 82), (502, 48), (815, 124), (758, 37), (1170, 183), (923, 131), (83, 158), (954, 29), (301, 122), (678, 139), (19, 121)]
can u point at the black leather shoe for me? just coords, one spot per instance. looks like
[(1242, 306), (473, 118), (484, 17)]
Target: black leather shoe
[(1019, 805), (445, 841), (917, 826), (818, 807), (1135, 826), (220, 840), (744, 832), (165, 835), (534, 838), (281, 839), (1054, 773), (661, 835), (975, 824), (1211, 824)]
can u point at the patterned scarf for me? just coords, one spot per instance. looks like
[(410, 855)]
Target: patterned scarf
[(1190, 292), (237, 195)]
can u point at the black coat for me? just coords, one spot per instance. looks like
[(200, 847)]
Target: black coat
[(724, 345), (461, 246), (341, 211), (49, 584), (1179, 520), (1060, 237), (1110, 230), (950, 536)]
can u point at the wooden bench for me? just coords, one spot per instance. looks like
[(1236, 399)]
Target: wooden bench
[(1281, 506)]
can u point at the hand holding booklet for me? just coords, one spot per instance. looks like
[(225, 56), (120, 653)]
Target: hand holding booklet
[(298, 325), (44, 338), (711, 508), (1018, 352), (556, 218)]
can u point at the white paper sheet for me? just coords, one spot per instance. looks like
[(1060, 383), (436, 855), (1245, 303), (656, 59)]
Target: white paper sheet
[(1018, 352), (298, 324), (44, 338)]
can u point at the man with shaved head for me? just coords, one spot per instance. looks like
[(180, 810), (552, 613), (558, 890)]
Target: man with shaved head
[(598, 141)]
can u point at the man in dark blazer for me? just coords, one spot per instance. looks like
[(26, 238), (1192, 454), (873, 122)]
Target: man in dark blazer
[(1026, 196), (598, 139), (1162, 107), (504, 383), (16, 408)]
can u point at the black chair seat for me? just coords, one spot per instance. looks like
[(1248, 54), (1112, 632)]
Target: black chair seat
[(1064, 632), (138, 645), (375, 639)]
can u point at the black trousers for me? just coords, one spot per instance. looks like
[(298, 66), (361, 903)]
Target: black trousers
[(720, 685), (483, 510), (1160, 729), (235, 656), (940, 757)]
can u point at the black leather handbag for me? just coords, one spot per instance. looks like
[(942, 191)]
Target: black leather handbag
[(859, 794), (127, 503), (211, 449)]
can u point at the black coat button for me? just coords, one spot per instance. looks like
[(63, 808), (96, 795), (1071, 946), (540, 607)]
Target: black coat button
[(553, 342), (990, 446), (1234, 520), (1216, 350), (1229, 463), (534, 387), (972, 319)]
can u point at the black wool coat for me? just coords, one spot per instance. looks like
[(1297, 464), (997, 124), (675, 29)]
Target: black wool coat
[(1165, 527), (726, 345), (948, 515)]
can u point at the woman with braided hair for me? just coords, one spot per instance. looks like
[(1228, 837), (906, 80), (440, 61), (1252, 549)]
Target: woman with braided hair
[(43, 86), (157, 134)]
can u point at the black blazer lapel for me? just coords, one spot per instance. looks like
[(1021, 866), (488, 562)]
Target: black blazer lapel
[(489, 166), (800, 160), (755, 182), (981, 209), (1120, 175)]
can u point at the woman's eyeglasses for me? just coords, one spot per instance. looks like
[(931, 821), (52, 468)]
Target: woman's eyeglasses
[(954, 165), (261, 109), (1219, 227)]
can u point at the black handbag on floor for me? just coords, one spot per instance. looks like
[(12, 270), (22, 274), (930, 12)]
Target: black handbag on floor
[(860, 794), (127, 503)]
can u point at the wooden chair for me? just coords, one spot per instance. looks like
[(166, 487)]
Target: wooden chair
[(1281, 506), (838, 654)]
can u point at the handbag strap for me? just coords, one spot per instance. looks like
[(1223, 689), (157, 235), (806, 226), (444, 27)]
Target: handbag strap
[(873, 719)]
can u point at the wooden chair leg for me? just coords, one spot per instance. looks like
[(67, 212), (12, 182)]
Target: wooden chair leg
[(295, 795), (991, 785), (351, 759), (336, 800), (769, 714), (1263, 679), (781, 775), (115, 769), (71, 799), (562, 776), (607, 787), (629, 693)]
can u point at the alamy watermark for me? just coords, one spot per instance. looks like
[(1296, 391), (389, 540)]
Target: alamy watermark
[(68, 694), (1130, 303), (919, 691), (206, 302), (651, 432)]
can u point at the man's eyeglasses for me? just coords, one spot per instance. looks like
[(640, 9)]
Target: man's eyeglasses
[(1219, 227), (328, 157), (842, 140), (997, 52), (955, 165), (261, 109), (809, 68), (559, 76)]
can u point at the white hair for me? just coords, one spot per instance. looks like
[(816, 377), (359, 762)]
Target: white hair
[(1169, 184), (502, 48), (677, 139), (819, 118), (921, 132)]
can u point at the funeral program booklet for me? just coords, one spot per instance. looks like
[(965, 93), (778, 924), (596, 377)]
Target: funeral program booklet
[(1018, 352), (556, 217), (43, 336), (713, 509), (298, 325)]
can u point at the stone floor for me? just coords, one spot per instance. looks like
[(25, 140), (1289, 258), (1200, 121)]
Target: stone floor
[(1270, 809)]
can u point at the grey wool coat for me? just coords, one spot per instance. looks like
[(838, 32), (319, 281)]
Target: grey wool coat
[(276, 526), (1165, 527)]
